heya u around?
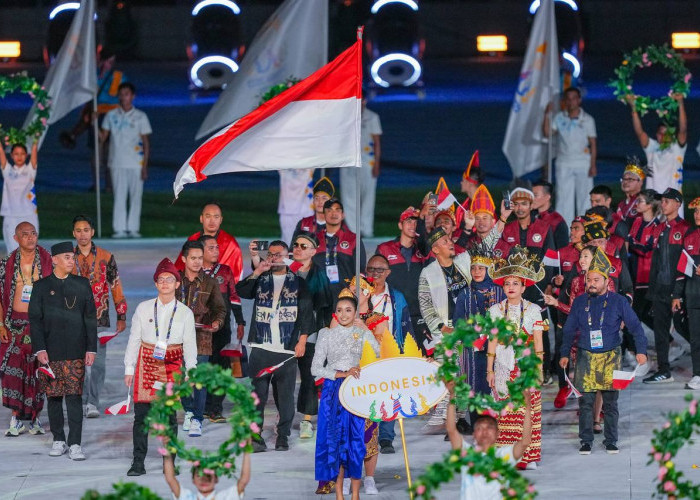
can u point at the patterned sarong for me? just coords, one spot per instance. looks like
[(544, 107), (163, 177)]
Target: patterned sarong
[(594, 370), (21, 391), (150, 370), (69, 374)]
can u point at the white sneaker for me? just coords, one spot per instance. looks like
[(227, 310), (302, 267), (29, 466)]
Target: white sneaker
[(91, 411), (120, 235), (346, 486), (76, 453), (36, 428), (58, 449), (370, 486), (306, 430), (693, 383), (188, 421), (675, 351), (16, 428), (195, 428)]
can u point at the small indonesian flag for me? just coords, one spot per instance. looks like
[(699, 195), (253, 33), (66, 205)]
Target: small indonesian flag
[(232, 350), (430, 346), (622, 379), (313, 124), (272, 369), (293, 265), (686, 264), (105, 337), (46, 370), (480, 342), (551, 258), (120, 408), (572, 389), (203, 326), (445, 198)]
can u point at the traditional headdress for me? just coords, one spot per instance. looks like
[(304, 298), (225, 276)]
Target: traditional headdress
[(695, 203), (166, 266), (600, 263), (594, 227), (483, 202), (324, 185), (520, 193), (473, 163), (481, 255), (520, 263), (366, 285), (449, 213), (437, 233), (634, 166)]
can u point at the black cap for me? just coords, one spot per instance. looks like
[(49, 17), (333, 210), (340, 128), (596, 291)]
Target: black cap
[(437, 233), (673, 194), (332, 202), (310, 237), (324, 185), (63, 247)]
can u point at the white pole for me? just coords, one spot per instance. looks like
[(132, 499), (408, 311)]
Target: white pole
[(358, 245), (97, 166)]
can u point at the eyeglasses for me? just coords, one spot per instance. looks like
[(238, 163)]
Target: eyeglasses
[(160, 281), (377, 270), (303, 246), (276, 255), (628, 179)]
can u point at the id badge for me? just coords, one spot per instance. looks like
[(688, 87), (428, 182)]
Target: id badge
[(159, 350), (596, 339), (332, 273), (26, 293)]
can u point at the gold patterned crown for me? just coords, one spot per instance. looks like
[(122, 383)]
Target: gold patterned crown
[(521, 264), (481, 254), (694, 204), (634, 166), (366, 284), (600, 263), (594, 227)]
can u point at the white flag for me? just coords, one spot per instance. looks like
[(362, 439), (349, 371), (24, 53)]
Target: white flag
[(72, 78), (292, 43), (524, 145)]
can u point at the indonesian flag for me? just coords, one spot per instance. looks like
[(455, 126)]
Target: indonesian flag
[(686, 264), (272, 369), (313, 124), (445, 198), (430, 346), (622, 379), (232, 350), (551, 258), (480, 343), (120, 408), (572, 389), (46, 370), (105, 337), (293, 265)]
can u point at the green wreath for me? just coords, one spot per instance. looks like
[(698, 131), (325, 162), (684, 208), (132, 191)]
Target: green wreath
[(499, 329), (123, 491), (513, 485), (244, 418), (276, 90), (665, 106), (26, 85), (674, 434)]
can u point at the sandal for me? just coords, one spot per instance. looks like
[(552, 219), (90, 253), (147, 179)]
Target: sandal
[(325, 488), (597, 427)]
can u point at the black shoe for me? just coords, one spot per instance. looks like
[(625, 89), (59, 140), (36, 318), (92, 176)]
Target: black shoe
[(258, 443), (464, 428), (386, 447), (612, 449), (585, 449), (659, 378), (281, 444), (137, 468)]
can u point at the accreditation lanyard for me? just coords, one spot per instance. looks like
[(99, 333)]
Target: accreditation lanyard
[(334, 259), (596, 335), (212, 272), (161, 346), (27, 289), (186, 298)]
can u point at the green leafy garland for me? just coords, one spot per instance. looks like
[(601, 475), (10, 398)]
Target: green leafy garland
[(506, 333), (26, 85), (665, 107), (244, 418), (123, 491), (513, 485), (675, 433), (276, 90)]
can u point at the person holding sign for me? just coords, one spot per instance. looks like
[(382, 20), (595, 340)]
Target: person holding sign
[(485, 435), (598, 315), (340, 436), (515, 275)]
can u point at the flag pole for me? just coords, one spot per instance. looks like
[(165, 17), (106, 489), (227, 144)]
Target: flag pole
[(97, 165), (358, 209)]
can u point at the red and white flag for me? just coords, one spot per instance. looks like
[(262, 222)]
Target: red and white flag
[(293, 265), (232, 350), (313, 124), (445, 198), (105, 337), (551, 258), (46, 370), (430, 346), (120, 408), (622, 379), (572, 389), (686, 264), (272, 369)]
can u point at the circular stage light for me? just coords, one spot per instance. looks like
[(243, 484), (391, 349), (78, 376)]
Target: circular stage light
[(213, 71), (395, 69)]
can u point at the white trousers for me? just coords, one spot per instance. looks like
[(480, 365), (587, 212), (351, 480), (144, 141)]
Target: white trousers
[(126, 183), (10, 223), (572, 190), (368, 189)]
